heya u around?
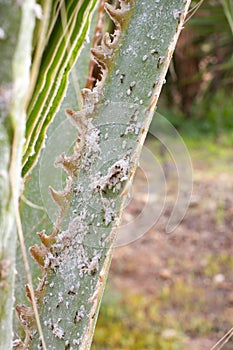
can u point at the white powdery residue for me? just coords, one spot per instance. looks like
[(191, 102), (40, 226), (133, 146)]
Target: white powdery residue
[(50, 260), (92, 147), (80, 314), (153, 52), (132, 84), (152, 35), (93, 138), (144, 17), (73, 255), (79, 238), (109, 215), (90, 98), (72, 289), (76, 341), (39, 347), (117, 173), (82, 261), (124, 143), (130, 51), (48, 323), (77, 228), (58, 331), (77, 189), (93, 265), (160, 61), (149, 94), (133, 128), (134, 117), (60, 298), (138, 127), (83, 214), (16, 343), (176, 14), (61, 237)]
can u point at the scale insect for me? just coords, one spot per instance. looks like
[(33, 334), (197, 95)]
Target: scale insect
[(160, 61)]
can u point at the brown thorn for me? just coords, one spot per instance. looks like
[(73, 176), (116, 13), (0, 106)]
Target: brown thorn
[(39, 254), (97, 36), (101, 55), (76, 119), (47, 241), (114, 13), (70, 112), (69, 164), (60, 197), (18, 345), (29, 293), (25, 315)]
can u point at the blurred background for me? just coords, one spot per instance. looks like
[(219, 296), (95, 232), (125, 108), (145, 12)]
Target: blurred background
[(175, 292)]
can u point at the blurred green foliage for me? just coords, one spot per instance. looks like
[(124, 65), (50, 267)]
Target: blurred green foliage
[(165, 321), (134, 322), (130, 321), (211, 116), (220, 264), (198, 96)]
